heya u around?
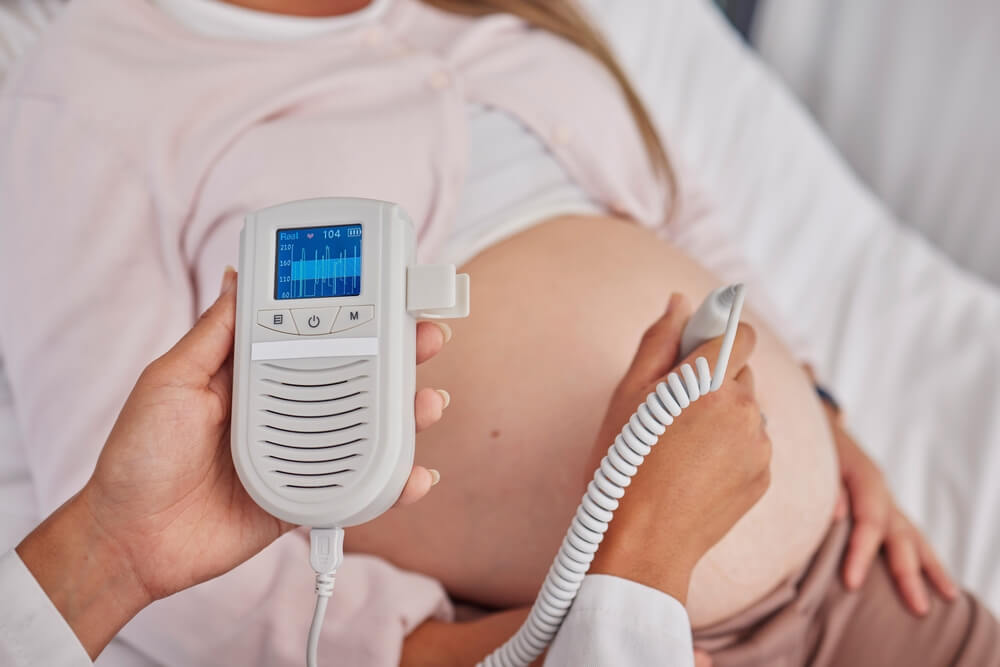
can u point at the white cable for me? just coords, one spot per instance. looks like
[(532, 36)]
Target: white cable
[(326, 552), (722, 361), (600, 501)]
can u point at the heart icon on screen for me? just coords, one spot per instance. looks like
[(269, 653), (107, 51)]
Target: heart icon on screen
[(309, 235)]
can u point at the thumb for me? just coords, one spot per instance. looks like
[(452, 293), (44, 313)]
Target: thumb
[(658, 349), (206, 346), (743, 346)]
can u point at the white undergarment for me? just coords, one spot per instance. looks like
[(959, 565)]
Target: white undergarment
[(513, 180)]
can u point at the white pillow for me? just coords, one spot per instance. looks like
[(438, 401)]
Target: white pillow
[(909, 92)]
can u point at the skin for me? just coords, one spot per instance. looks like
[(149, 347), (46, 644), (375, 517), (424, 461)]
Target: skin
[(304, 7), (546, 363), (659, 532)]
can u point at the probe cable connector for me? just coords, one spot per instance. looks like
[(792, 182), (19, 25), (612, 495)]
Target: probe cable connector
[(326, 553)]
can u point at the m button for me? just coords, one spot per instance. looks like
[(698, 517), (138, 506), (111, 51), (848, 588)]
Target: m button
[(352, 316)]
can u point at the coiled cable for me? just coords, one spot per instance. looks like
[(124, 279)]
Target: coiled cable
[(605, 490)]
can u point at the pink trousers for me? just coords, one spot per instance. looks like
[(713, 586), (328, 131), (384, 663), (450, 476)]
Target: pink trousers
[(812, 620)]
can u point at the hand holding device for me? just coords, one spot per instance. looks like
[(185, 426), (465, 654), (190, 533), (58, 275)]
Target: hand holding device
[(163, 509), (655, 414), (707, 471)]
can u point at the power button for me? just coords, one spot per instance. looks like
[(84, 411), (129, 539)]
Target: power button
[(314, 321)]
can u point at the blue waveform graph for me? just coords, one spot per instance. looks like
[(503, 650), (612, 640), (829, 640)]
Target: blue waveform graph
[(317, 262)]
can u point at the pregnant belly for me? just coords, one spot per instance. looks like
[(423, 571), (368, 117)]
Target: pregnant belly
[(557, 313)]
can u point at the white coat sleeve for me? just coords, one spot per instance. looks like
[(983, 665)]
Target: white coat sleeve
[(615, 622), (32, 631)]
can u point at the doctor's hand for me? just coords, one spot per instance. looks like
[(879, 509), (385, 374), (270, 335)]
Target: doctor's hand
[(709, 468), (164, 509)]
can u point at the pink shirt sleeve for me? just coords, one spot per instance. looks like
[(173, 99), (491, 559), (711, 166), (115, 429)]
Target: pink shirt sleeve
[(95, 285)]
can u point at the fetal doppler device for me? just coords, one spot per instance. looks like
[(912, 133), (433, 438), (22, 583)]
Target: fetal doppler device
[(324, 379)]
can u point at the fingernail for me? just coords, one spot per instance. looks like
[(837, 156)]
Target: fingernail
[(228, 279), (951, 591), (435, 476), (446, 396), (445, 329)]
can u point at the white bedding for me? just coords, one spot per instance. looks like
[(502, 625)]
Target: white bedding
[(907, 339), (909, 92)]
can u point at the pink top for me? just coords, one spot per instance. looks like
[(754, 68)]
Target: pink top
[(133, 148)]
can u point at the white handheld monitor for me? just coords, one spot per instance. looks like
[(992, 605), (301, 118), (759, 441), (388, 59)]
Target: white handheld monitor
[(324, 364)]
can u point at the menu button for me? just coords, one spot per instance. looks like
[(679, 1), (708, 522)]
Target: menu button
[(277, 320)]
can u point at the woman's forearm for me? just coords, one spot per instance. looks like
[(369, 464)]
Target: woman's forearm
[(440, 644)]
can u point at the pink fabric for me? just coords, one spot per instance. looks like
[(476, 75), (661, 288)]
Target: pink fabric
[(132, 148)]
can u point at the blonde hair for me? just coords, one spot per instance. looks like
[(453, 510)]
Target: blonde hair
[(563, 18)]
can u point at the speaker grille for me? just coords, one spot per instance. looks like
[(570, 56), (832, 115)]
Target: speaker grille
[(312, 424)]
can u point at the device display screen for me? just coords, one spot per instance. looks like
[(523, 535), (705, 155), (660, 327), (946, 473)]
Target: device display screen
[(315, 262)]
